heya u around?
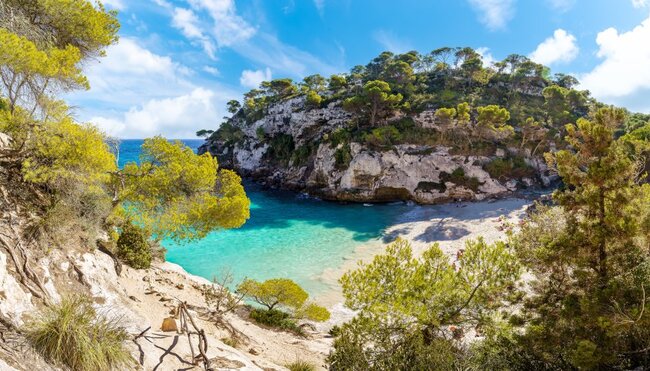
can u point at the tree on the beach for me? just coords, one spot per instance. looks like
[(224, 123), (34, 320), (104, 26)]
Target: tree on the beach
[(412, 311)]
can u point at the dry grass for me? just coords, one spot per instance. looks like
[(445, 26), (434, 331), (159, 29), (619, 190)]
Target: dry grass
[(73, 334)]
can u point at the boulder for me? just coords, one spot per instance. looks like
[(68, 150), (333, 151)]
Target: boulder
[(169, 325)]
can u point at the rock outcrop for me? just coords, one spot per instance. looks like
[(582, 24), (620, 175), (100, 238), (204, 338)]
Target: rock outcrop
[(421, 173)]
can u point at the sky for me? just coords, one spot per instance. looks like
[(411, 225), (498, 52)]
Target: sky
[(179, 61)]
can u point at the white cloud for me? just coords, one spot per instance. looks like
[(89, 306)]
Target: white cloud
[(253, 79), (217, 21), (640, 3), (178, 117), (486, 56), (562, 5), (392, 43), (623, 76), (561, 47), (228, 28), (115, 4), (136, 93), (267, 50), (495, 14), (188, 23), (211, 70)]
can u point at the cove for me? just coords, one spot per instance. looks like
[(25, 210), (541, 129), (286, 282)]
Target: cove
[(288, 235)]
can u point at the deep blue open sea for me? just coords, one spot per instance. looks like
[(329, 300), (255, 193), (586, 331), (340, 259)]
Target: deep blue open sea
[(288, 235)]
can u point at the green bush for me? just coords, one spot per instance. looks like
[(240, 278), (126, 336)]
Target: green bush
[(275, 318), (313, 99), (73, 334), (301, 366), (343, 157), (281, 148), (514, 167), (261, 134), (340, 136), (302, 154), (384, 136), (458, 177), (229, 134), (133, 248)]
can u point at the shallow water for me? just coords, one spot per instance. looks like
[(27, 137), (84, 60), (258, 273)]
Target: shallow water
[(288, 235)]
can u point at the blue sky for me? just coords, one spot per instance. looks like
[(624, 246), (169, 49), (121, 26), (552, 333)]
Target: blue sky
[(179, 61)]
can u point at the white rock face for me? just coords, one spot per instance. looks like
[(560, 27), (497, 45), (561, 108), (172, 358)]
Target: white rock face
[(14, 301), (5, 141), (404, 172)]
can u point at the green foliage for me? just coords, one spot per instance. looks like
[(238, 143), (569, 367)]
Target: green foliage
[(513, 167), (340, 136), (405, 304), (281, 148), (133, 248), (313, 99), (302, 154), (458, 177), (589, 256), (375, 101), (74, 335), (45, 42), (276, 319), (492, 120), (445, 116), (384, 136), (233, 106), (300, 366), (342, 157), (274, 292), (279, 89), (176, 194), (204, 133), (337, 83), (261, 134), (229, 134), (282, 292)]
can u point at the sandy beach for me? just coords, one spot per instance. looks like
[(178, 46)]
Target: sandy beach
[(450, 225)]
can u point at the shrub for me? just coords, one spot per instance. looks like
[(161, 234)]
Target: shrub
[(275, 318), (261, 134), (340, 136), (458, 177), (302, 154), (281, 148), (313, 99), (509, 168), (73, 334), (383, 136), (342, 157), (282, 292), (301, 366), (133, 248)]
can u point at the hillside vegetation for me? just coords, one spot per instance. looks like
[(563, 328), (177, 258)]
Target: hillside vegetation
[(494, 122)]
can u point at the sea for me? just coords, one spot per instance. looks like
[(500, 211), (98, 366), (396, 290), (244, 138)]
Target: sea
[(288, 235)]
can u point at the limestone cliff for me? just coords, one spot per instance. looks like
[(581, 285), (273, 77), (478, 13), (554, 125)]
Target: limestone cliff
[(422, 173)]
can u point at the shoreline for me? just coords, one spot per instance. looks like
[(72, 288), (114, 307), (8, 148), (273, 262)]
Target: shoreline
[(449, 225)]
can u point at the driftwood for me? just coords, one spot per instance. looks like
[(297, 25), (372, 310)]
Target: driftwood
[(188, 326)]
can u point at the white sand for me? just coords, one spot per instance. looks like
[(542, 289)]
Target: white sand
[(449, 225)]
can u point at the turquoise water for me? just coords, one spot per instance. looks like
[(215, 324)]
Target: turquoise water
[(288, 235)]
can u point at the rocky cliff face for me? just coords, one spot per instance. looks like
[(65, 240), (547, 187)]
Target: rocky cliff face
[(422, 173)]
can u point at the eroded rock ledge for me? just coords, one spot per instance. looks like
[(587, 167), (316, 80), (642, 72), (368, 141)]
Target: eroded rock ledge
[(420, 173)]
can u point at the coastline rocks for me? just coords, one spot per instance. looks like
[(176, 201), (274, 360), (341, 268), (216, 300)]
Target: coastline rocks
[(406, 172)]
